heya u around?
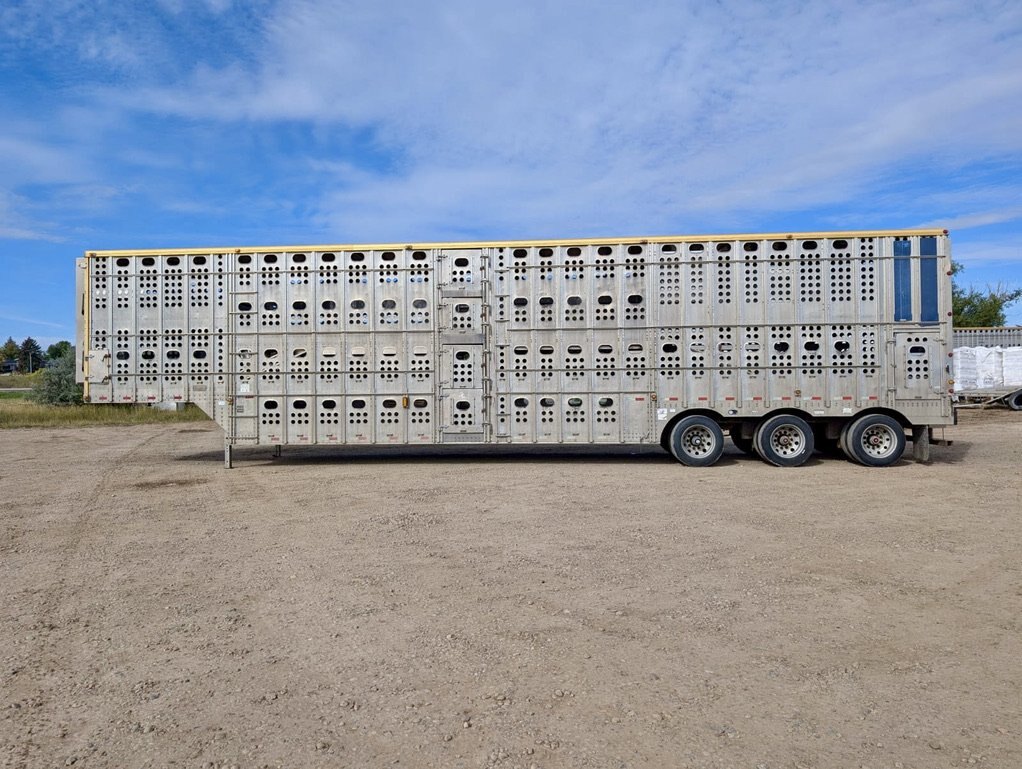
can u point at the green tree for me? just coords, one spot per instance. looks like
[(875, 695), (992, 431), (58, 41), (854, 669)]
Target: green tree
[(58, 349), (30, 355), (57, 385), (971, 307), (10, 350)]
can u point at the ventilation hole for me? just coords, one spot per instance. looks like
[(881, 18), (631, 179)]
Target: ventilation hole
[(269, 305), (270, 353), (358, 304), (420, 403), (605, 299), (546, 350), (148, 261), (520, 253), (605, 349), (270, 259), (123, 262), (300, 352), (148, 354), (358, 256), (463, 405), (245, 259), (723, 248), (605, 250), (606, 402), (840, 244), (521, 301), (546, 301), (635, 299), (842, 346), (270, 405), (298, 258), (574, 402), (696, 248), (387, 256), (389, 304), (779, 245), (574, 349), (809, 245), (389, 403), (329, 404), (635, 250), (521, 402), (419, 256), (670, 248), (462, 355), (358, 404), (173, 261), (670, 347), (173, 354), (461, 261), (329, 305), (123, 355), (750, 247), (419, 303), (245, 307), (812, 346), (917, 350), (635, 348), (328, 257), (461, 308), (546, 402), (198, 354), (521, 350), (298, 305), (781, 347), (574, 301)]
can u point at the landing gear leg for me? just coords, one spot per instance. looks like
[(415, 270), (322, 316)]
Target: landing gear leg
[(921, 443)]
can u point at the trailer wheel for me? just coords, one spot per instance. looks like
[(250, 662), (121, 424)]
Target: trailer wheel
[(697, 441), (875, 440), (785, 440), (741, 443), (1014, 400)]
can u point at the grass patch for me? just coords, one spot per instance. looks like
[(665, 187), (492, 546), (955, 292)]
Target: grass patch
[(13, 395), (8, 381), (20, 412)]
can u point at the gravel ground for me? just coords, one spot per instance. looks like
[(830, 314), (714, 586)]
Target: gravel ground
[(525, 608)]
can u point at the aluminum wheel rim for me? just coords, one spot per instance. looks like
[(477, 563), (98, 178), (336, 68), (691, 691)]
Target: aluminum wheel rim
[(787, 441), (878, 441), (697, 441)]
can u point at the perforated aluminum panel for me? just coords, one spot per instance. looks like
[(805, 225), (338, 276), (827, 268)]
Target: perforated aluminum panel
[(588, 341)]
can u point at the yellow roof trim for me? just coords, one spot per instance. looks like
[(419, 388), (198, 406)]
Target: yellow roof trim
[(515, 243)]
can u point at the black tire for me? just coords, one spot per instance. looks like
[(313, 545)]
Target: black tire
[(697, 441), (785, 440), (842, 441), (875, 440), (1014, 401), (741, 443)]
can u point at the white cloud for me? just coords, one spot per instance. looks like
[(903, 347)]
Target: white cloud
[(614, 112)]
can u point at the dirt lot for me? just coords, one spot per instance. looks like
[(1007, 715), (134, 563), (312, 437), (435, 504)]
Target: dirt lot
[(586, 608)]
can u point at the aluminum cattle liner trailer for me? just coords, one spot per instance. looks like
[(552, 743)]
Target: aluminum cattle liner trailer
[(785, 341)]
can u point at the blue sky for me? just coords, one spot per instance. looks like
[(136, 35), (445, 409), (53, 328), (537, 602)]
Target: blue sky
[(177, 123)]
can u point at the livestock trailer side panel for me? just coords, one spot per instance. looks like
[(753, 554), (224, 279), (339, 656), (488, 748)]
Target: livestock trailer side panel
[(618, 341)]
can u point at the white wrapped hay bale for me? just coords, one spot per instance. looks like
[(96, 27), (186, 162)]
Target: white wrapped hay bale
[(1011, 366), (989, 367), (963, 366)]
